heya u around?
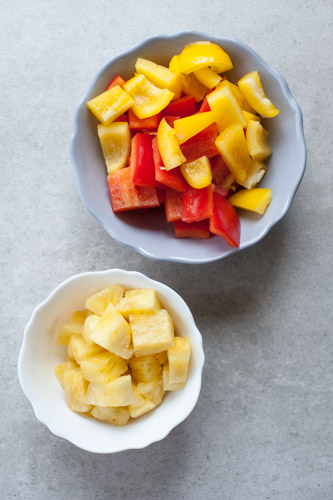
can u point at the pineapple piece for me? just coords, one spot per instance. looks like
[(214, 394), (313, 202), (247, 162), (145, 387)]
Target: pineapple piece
[(116, 416), (145, 368), (103, 368), (98, 302), (179, 357), (140, 404), (141, 300), (60, 369), (74, 326), (152, 390), (79, 349), (166, 383), (112, 332), (162, 357), (152, 333), (75, 389), (88, 328), (118, 392)]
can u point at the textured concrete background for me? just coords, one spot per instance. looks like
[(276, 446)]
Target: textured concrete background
[(262, 428)]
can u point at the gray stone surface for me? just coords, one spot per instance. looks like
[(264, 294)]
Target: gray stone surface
[(262, 428)]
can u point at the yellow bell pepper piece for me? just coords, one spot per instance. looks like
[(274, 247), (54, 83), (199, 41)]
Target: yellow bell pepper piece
[(208, 77), (148, 99), (205, 54), (197, 173), (189, 126), (254, 174), (227, 109), (254, 200), (254, 93), (190, 85), (168, 146), (257, 141), (250, 116), (237, 93), (174, 65), (232, 146), (111, 104), (115, 140), (160, 76)]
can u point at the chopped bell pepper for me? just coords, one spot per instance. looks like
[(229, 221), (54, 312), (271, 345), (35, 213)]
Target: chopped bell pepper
[(232, 146), (117, 80), (122, 118), (199, 230), (174, 65), (200, 55), (172, 178), (201, 144), (160, 76), (237, 93), (111, 104), (226, 108), (254, 174), (197, 173), (173, 205), (254, 200), (257, 141), (148, 99), (115, 140), (189, 126), (142, 162), (171, 120), (150, 123), (125, 195), (192, 87), (197, 204), (208, 77), (254, 93), (250, 116), (185, 106), (204, 106), (221, 175), (224, 221), (168, 146)]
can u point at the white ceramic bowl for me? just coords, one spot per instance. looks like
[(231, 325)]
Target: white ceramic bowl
[(39, 355), (149, 234)]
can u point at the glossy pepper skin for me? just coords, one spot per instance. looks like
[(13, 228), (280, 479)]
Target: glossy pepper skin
[(197, 204), (117, 80), (254, 200), (172, 178), (198, 230), (201, 144), (136, 123), (168, 146), (142, 161), (185, 106), (224, 220)]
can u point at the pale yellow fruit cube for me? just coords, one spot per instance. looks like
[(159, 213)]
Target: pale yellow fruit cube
[(152, 390), (116, 416), (103, 368), (152, 333), (79, 349), (88, 328), (119, 392), (140, 405), (162, 357), (98, 302), (145, 368), (74, 326), (75, 389), (179, 357), (141, 300), (60, 369), (112, 332), (166, 383)]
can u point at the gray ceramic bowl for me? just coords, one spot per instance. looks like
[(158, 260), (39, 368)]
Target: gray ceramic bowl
[(149, 234)]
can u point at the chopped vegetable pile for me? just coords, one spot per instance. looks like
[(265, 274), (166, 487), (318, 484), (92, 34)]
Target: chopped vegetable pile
[(188, 138)]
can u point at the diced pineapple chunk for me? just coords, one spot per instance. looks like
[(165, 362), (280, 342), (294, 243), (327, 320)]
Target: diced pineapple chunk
[(178, 357), (88, 328), (79, 349), (166, 383), (141, 300), (152, 333), (112, 332), (103, 368), (75, 389), (116, 416), (60, 369), (98, 302), (119, 392), (152, 390), (145, 368), (140, 404), (162, 357), (74, 326)]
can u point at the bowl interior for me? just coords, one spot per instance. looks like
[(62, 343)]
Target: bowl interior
[(149, 233), (40, 354)]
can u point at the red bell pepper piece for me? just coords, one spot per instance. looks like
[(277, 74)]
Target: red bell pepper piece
[(185, 106), (161, 195), (224, 221), (204, 106), (171, 119), (192, 229), (201, 144), (117, 80), (197, 203), (122, 118), (142, 162), (125, 195), (172, 178), (222, 177), (136, 123), (173, 205)]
